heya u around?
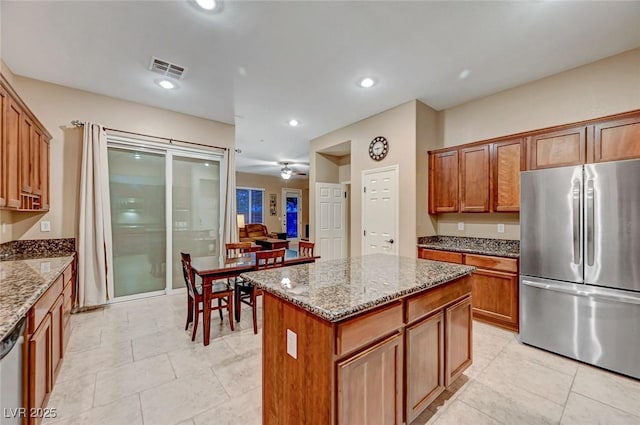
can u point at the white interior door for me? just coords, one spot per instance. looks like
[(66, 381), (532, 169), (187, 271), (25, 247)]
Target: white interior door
[(292, 213), (380, 211), (331, 229)]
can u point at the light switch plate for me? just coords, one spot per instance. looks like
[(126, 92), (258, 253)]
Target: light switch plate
[(292, 343), (461, 225), (45, 226), (500, 228)]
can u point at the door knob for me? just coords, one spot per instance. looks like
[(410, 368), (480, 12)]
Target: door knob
[(390, 241)]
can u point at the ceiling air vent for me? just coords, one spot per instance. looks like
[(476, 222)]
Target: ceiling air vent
[(166, 68)]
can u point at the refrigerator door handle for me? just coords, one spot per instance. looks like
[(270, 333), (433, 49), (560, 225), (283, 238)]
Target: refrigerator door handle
[(590, 222), (594, 294), (576, 222)]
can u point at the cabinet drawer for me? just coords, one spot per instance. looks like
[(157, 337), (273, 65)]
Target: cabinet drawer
[(494, 263), (423, 304), (434, 254), (359, 331), (44, 304)]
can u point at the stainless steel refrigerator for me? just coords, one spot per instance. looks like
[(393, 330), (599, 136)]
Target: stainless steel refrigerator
[(580, 263)]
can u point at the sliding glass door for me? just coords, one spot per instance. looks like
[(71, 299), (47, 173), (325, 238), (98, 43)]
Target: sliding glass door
[(137, 186), (163, 201)]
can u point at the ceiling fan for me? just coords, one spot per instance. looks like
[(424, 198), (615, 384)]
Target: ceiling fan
[(286, 172)]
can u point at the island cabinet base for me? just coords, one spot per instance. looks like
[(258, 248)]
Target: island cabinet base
[(383, 366)]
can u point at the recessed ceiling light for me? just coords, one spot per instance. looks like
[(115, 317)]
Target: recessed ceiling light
[(367, 82), (293, 123), (166, 84), (206, 4), (464, 74)]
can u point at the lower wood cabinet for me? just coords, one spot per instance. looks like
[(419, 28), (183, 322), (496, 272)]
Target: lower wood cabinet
[(458, 340), (425, 359), (494, 285), (370, 385), (48, 331)]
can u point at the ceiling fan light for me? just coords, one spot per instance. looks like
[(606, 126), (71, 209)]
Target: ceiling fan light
[(285, 173), (206, 4)]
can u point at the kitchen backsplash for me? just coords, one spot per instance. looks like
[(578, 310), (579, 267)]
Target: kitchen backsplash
[(36, 248)]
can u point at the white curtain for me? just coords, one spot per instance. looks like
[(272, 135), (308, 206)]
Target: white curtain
[(95, 268), (230, 230)]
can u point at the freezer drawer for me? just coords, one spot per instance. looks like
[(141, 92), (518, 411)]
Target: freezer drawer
[(594, 325)]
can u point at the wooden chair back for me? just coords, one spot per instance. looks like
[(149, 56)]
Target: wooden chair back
[(269, 259), (187, 273), (305, 249), (236, 248)]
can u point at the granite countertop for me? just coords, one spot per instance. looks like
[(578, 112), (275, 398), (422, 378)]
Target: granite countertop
[(497, 247), (337, 289), (22, 282)]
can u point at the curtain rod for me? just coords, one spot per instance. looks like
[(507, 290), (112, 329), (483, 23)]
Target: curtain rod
[(78, 123)]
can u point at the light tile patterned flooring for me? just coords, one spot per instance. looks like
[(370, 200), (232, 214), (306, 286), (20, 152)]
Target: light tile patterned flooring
[(132, 363)]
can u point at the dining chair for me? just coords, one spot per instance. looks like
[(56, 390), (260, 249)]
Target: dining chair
[(306, 248), (220, 291), (247, 293), (236, 248)]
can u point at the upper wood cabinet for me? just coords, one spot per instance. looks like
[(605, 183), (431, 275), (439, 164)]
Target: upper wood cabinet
[(558, 148), (616, 140), (506, 163), (24, 155), (443, 182), (474, 179)]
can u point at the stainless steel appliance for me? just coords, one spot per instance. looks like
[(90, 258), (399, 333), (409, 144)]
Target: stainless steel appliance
[(11, 376), (580, 263)]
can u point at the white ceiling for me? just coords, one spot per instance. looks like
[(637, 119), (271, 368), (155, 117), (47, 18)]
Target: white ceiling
[(259, 64)]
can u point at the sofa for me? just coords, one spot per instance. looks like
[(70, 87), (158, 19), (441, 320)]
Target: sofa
[(254, 231)]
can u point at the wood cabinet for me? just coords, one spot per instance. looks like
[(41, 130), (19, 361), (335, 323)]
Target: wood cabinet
[(506, 163), (443, 182), (458, 340), (48, 331), (474, 179), (383, 366), (425, 358), (370, 385), (494, 285), (616, 139), (557, 148), (24, 155)]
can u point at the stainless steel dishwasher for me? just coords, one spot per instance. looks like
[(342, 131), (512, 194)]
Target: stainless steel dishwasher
[(11, 376)]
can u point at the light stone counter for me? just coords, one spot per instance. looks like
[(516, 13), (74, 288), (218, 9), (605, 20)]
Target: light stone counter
[(22, 282), (337, 289)]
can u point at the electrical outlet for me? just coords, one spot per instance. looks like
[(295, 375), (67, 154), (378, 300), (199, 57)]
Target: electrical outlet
[(292, 343), (45, 226), (501, 228), (4, 227), (461, 225)]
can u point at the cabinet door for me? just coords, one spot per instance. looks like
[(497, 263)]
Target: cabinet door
[(557, 149), (474, 179), (40, 364), (57, 340), (44, 174), (36, 139), (425, 364), (617, 139), (11, 153), (495, 297), (506, 163), (370, 385), (26, 140), (3, 106), (458, 340), (443, 182)]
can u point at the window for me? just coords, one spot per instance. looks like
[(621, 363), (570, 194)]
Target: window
[(249, 203)]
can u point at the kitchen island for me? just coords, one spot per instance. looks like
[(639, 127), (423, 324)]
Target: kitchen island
[(365, 340)]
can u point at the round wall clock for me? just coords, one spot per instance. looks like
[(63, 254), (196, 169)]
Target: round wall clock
[(378, 148)]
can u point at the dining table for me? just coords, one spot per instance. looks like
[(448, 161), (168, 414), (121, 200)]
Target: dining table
[(213, 268)]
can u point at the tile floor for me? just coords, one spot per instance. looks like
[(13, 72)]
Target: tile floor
[(132, 363)]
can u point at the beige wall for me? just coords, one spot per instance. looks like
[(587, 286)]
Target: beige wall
[(273, 184), (56, 106), (398, 125), (426, 139), (605, 87)]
